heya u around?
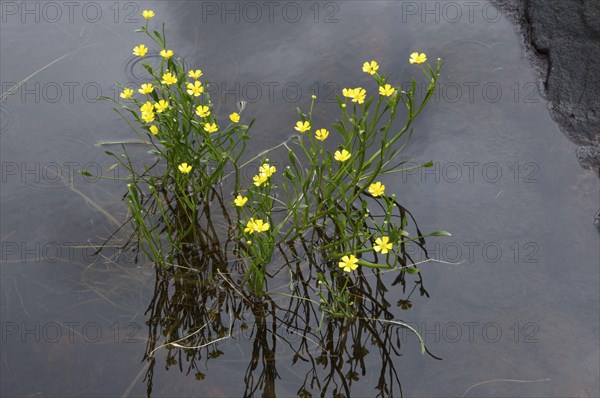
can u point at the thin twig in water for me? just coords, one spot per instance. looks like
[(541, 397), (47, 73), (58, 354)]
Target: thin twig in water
[(135, 380), (506, 380), (174, 344), (19, 84)]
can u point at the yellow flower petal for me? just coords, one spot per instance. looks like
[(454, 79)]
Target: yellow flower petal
[(267, 170), (203, 111), (234, 117), (127, 93), (416, 58), (370, 67), (148, 14), (147, 107), (195, 88), (185, 168), (377, 189), (386, 90), (211, 127), (168, 79), (146, 88), (341, 156), (195, 74), (359, 95), (166, 54), (302, 126), (240, 200), (383, 245), (348, 263), (161, 106), (140, 50), (259, 179), (321, 134)]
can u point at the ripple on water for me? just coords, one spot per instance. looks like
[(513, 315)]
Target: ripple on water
[(6, 118), (135, 71), (468, 55)]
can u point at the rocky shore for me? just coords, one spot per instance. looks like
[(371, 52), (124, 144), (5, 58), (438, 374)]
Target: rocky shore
[(562, 39)]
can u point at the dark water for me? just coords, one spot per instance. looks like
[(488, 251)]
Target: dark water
[(522, 304)]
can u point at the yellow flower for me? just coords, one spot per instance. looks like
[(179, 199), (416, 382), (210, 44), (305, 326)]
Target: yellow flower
[(356, 94), (211, 127), (250, 226), (377, 189), (348, 92), (195, 89), (240, 200), (321, 134), (383, 245), (185, 168), (259, 179), (148, 117), (140, 50), (416, 58), (202, 111), (370, 67), (349, 263), (147, 107), (386, 90), (127, 93), (161, 106), (359, 95), (341, 156), (146, 88), (256, 226), (260, 226), (234, 117), (166, 54), (148, 14), (168, 78), (195, 74), (302, 126), (267, 170), (154, 130)]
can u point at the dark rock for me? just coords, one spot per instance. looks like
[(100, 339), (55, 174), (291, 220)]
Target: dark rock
[(588, 157), (563, 39)]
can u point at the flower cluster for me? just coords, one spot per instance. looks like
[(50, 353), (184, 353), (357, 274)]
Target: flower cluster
[(357, 94), (256, 226), (264, 172), (325, 193)]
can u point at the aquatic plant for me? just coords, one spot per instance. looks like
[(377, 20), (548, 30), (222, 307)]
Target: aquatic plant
[(331, 206)]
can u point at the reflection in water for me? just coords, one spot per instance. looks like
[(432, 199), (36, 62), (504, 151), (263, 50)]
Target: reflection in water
[(190, 314), (194, 310)]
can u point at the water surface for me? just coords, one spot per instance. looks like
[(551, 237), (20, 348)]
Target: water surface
[(521, 304)]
